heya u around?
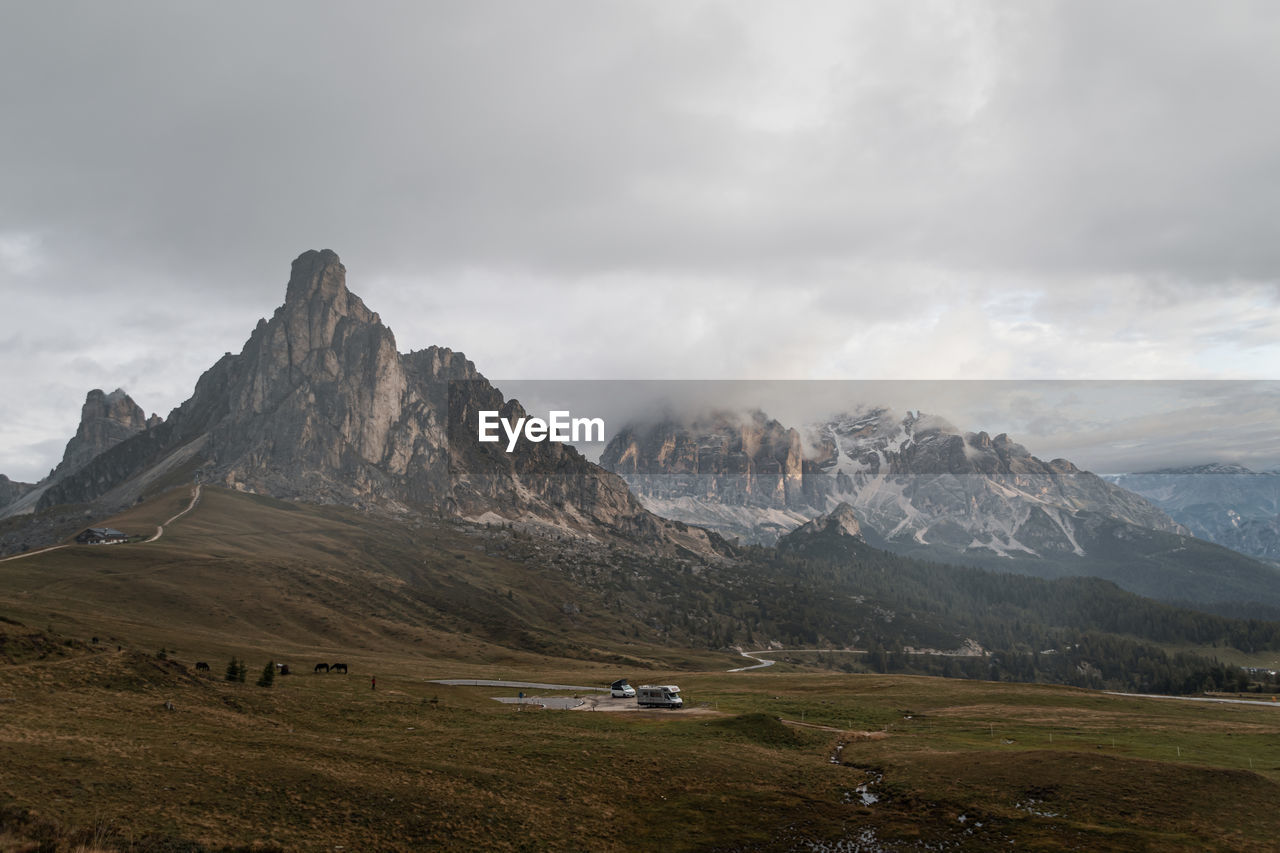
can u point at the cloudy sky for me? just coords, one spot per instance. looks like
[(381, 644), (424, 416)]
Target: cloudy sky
[(608, 190)]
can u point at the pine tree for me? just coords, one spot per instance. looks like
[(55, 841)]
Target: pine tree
[(233, 671), (242, 671), (268, 676)]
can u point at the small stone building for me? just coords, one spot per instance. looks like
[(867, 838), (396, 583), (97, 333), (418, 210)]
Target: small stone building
[(101, 536)]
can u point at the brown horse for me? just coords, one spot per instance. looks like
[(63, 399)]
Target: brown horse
[(201, 666), (338, 667), (322, 667)]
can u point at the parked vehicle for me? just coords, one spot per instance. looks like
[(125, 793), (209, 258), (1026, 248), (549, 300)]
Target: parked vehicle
[(621, 690), (659, 696)]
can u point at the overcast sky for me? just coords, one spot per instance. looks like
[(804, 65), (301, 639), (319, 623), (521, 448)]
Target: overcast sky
[(736, 190)]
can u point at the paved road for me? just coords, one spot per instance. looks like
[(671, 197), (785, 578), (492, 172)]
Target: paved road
[(473, 682), (560, 703), (761, 665), (1267, 704)]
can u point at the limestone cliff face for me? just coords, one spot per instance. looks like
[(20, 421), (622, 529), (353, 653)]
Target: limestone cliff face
[(738, 461), (313, 405), (105, 421), (743, 476), (320, 406), (12, 490)]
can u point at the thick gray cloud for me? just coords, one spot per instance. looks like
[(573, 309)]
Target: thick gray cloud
[(762, 190)]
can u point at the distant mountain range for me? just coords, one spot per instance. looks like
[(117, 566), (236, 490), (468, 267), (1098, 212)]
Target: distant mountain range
[(916, 485), (1227, 504), (912, 480)]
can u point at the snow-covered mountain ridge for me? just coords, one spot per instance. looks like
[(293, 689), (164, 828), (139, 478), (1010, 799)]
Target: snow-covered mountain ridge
[(911, 480)]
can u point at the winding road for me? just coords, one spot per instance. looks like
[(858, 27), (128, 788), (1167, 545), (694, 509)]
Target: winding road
[(1269, 704), (195, 499), (761, 662)]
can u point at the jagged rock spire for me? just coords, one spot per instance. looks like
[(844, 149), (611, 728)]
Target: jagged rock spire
[(105, 421), (316, 273)]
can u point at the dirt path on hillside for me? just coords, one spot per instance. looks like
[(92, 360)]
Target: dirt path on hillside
[(195, 499), (31, 553)]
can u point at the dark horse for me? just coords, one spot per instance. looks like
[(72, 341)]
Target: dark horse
[(201, 666), (337, 667), (322, 667)]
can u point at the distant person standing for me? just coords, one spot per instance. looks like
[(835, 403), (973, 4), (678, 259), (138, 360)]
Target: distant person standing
[(373, 683)]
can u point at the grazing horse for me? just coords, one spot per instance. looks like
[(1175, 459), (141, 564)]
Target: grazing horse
[(201, 666), (322, 667), (338, 667)]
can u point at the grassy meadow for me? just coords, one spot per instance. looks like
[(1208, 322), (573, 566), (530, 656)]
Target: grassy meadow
[(110, 739), (92, 755)]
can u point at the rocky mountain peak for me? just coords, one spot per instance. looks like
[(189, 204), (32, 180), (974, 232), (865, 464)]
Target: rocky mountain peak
[(322, 342), (317, 300), (317, 275), (320, 406), (841, 521), (105, 421), (836, 534), (11, 490)]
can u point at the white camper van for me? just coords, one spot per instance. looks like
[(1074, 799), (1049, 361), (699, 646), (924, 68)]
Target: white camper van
[(659, 696)]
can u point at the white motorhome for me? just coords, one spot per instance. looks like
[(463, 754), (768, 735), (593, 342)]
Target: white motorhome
[(659, 696)]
